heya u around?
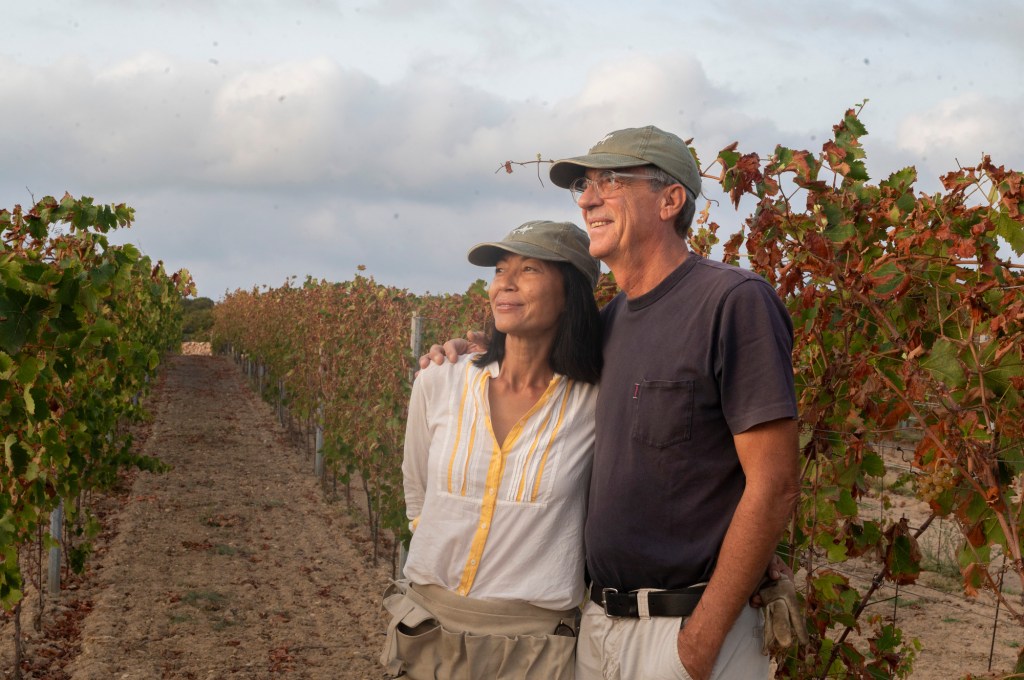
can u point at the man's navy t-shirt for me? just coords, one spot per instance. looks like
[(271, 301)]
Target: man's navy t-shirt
[(703, 356)]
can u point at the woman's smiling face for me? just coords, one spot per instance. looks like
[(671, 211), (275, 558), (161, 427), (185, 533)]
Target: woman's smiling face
[(527, 296)]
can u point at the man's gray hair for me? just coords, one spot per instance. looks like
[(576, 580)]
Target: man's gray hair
[(661, 179)]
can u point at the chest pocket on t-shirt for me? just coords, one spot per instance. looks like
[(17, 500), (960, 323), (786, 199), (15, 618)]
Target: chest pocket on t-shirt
[(663, 412)]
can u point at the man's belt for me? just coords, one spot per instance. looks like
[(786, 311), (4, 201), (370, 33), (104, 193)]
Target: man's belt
[(646, 603)]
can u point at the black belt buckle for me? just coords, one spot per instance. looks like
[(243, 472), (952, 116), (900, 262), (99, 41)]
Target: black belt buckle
[(604, 600)]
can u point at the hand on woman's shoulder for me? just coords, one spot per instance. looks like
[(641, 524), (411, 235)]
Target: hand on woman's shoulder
[(436, 372)]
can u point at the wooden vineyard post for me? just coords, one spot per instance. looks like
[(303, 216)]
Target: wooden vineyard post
[(416, 345), (57, 532), (318, 465), (280, 401)]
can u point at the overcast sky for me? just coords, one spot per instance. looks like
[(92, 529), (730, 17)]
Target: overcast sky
[(260, 139)]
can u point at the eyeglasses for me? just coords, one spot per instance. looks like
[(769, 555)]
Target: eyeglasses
[(606, 184)]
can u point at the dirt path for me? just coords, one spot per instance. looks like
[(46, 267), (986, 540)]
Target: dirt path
[(231, 565)]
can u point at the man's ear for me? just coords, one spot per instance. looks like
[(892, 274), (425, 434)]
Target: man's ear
[(673, 198)]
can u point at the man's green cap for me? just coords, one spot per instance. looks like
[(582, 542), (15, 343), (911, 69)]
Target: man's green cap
[(629, 148), (543, 240)]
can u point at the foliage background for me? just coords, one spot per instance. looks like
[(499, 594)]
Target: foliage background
[(196, 319)]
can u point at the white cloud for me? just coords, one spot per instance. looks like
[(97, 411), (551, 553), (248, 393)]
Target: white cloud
[(962, 128), (151, 118), (278, 124), (142, 67)]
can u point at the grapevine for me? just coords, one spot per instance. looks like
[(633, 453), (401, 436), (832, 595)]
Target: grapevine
[(83, 324), (909, 317), (342, 352)]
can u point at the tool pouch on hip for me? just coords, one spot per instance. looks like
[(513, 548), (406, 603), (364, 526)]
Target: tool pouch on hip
[(403, 612)]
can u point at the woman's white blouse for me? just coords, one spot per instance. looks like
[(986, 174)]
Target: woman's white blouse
[(497, 522)]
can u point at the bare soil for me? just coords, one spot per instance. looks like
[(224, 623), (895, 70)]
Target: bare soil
[(231, 565), (237, 564)]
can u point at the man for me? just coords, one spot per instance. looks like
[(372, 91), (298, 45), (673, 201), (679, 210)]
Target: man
[(695, 467)]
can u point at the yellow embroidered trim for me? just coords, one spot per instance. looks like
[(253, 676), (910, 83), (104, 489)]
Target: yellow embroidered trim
[(458, 431), (477, 396), (476, 549), (529, 457), (551, 441)]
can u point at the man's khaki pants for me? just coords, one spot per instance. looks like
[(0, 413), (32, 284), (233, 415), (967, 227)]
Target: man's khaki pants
[(629, 649)]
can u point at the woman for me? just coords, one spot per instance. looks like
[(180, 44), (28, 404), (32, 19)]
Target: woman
[(497, 462)]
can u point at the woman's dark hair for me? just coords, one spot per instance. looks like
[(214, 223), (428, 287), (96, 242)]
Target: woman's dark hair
[(576, 352)]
